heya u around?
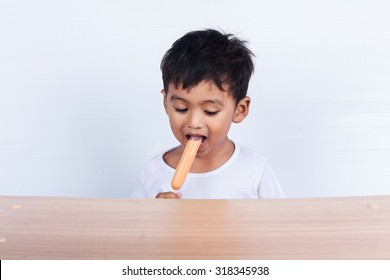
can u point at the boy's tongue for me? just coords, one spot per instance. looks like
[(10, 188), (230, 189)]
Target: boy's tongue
[(196, 138)]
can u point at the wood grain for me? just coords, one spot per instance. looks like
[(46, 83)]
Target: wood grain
[(310, 228)]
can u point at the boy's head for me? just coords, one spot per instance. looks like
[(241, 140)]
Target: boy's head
[(206, 75), (211, 56)]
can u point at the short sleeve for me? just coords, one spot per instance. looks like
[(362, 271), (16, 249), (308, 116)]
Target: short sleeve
[(269, 184)]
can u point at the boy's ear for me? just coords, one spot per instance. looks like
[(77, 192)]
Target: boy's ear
[(242, 109), (165, 99)]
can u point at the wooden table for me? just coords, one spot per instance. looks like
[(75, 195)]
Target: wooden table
[(310, 228)]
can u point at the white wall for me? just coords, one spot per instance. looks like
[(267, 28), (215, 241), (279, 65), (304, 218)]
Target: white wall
[(80, 102)]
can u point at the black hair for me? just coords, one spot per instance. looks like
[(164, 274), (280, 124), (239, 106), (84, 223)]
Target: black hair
[(209, 55)]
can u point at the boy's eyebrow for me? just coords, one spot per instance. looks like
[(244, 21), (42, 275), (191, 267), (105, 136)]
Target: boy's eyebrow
[(213, 101), (175, 97)]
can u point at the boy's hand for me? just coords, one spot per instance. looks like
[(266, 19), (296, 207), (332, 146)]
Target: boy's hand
[(169, 195)]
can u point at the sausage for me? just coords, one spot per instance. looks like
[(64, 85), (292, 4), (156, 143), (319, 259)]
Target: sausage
[(185, 162)]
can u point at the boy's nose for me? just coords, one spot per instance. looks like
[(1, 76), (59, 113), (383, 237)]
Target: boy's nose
[(195, 121)]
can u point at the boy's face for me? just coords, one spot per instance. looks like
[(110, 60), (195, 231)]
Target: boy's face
[(206, 111)]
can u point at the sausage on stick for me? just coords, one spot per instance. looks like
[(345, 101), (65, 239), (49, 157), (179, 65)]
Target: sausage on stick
[(186, 160)]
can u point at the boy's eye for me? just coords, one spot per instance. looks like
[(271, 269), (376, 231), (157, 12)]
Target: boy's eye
[(211, 113), (181, 110)]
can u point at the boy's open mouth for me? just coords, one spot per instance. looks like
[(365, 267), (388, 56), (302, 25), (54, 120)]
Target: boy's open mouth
[(196, 137)]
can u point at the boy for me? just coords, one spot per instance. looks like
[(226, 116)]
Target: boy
[(206, 75)]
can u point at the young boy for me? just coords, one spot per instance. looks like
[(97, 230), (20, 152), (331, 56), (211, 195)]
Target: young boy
[(206, 75)]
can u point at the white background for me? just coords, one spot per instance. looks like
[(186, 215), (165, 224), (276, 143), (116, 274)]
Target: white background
[(81, 110)]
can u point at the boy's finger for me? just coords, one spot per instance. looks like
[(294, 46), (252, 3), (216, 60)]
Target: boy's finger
[(169, 195)]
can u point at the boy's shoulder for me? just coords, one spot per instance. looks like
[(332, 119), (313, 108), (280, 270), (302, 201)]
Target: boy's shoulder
[(153, 163), (248, 159), (247, 153)]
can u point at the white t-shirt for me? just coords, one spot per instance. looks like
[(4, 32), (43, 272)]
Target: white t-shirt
[(245, 175)]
